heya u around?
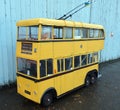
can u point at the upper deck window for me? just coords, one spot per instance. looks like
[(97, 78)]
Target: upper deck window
[(46, 32), (28, 33), (77, 33), (22, 32), (68, 33), (96, 33), (101, 33), (91, 33), (85, 33), (33, 33), (58, 33)]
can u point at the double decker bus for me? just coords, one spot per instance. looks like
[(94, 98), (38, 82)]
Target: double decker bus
[(56, 56)]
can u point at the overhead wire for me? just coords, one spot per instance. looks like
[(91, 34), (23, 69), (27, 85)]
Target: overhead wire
[(75, 10)]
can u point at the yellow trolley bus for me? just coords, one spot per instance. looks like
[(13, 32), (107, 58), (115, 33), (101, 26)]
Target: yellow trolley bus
[(56, 56)]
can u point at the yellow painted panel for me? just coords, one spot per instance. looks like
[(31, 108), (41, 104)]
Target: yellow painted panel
[(95, 45), (74, 79), (80, 75), (80, 47), (59, 49), (58, 84), (69, 81), (44, 86), (45, 50), (63, 49), (65, 83)]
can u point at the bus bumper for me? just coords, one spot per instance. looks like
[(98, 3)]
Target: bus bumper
[(28, 89)]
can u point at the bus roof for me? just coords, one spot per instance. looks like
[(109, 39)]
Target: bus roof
[(53, 22)]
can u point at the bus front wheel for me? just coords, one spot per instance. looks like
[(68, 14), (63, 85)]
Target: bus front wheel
[(47, 99)]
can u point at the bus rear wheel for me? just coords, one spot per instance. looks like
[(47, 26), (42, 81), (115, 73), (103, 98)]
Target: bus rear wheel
[(93, 78), (87, 81), (47, 99)]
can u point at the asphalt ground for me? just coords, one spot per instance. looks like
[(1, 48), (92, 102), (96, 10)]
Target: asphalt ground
[(103, 95)]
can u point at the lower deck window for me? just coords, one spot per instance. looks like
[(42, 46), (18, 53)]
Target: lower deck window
[(42, 68), (28, 67), (60, 65), (49, 66), (95, 57), (46, 67), (89, 58), (68, 63), (84, 60), (77, 61)]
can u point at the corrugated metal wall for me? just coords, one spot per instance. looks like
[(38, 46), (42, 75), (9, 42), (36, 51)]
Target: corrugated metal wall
[(107, 13), (102, 12)]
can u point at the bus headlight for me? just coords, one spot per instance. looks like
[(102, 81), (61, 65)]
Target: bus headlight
[(35, 93), (35, 50)]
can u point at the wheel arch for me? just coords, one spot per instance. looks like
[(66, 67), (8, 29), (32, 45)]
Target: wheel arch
[(49, 90), (95, 71)]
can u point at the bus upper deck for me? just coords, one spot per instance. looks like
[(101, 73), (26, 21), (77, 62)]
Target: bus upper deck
[(48, 29), (38, 38)]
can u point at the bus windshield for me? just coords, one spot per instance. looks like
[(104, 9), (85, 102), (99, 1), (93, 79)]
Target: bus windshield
[(28, 33), (27, 67)]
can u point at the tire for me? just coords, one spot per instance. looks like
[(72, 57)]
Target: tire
[(47, 99), (93, 79), (87, 81)]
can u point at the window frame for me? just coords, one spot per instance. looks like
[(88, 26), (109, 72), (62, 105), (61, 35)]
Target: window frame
[(81, 33), (79, 61), (87, 33), (50, 33), (101, 30), (46, 68), (27, 33), (86, 62), (95, 61), (61, 28), (92, 33), (29, 69), (71, 65), (64, 36), (98, 33), (62, 64)]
